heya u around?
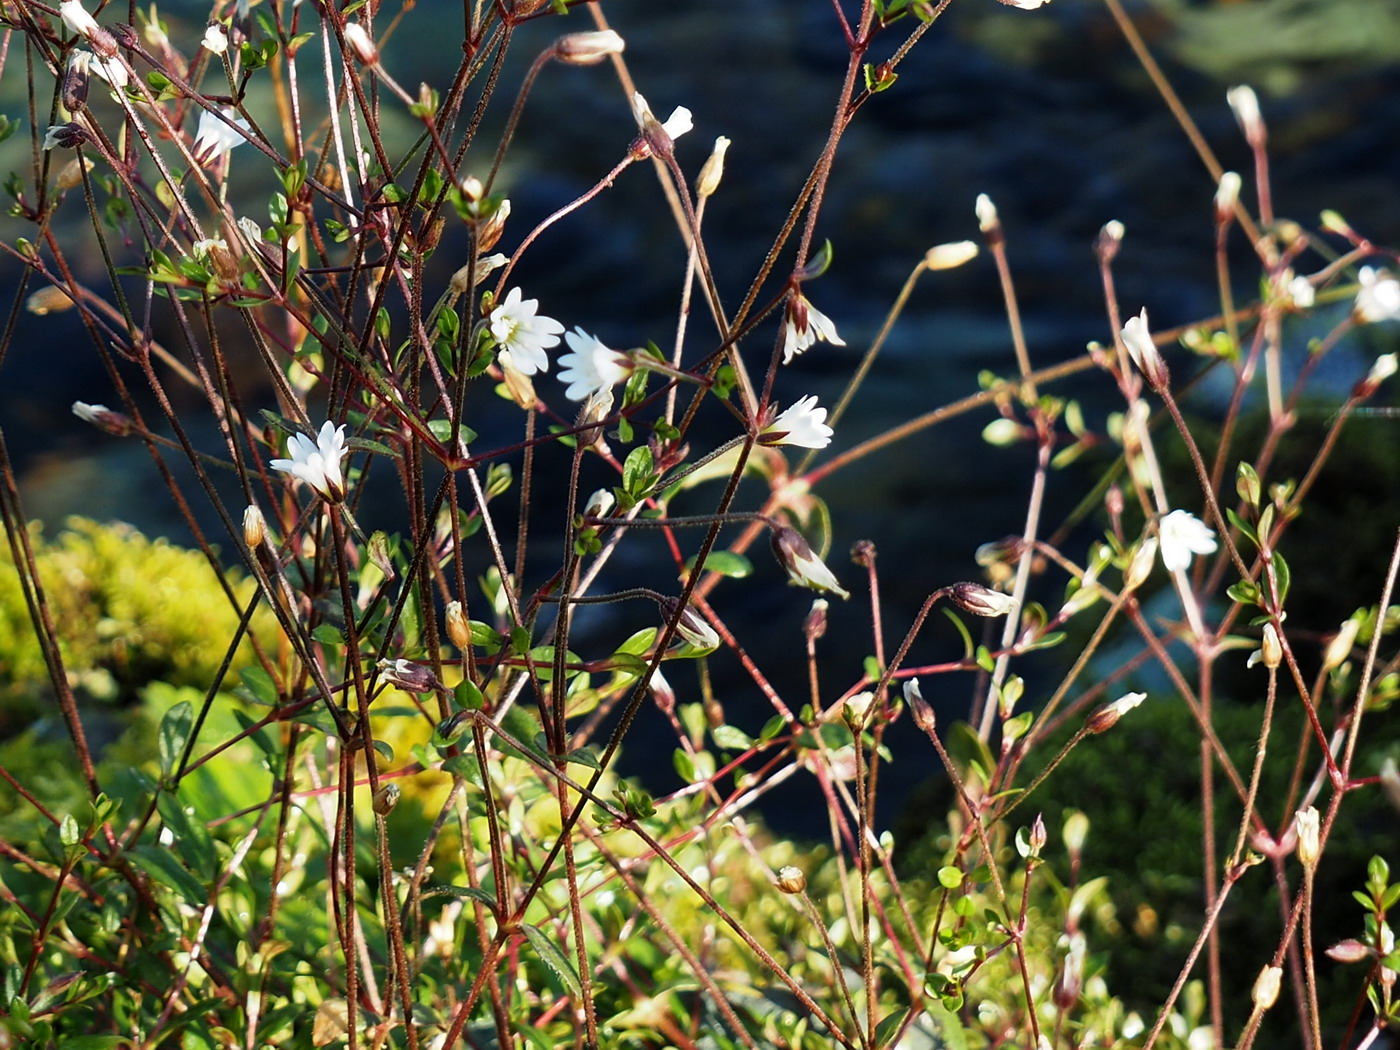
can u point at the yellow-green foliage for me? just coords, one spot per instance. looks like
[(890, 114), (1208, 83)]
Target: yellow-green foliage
[(127, 610)]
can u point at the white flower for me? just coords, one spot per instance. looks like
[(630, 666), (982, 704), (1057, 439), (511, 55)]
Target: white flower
[(214, 138), (1383, 368), (805, 568), (592, 367), (1025, 5), (802, 423), (806, 325), (317, 463), (522, 334), (1379, 297), (76, 18), (215, 39), (676, 125), (1183, 536), (1227, 195)]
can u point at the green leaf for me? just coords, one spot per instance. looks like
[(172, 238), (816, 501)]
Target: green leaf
[(328, 635), (949, 877), (1283, 575), (772, 728), (1244, 592), (552, 956), (637, 471), (731, 738), (174, 733), (1242, 525), (163, 868), (735, 566)]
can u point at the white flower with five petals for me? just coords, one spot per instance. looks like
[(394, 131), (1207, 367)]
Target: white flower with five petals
[(1379, 297), (522, 334), (802, 424), (804, 326), (1183, 536), (592, 367), (317, 462)]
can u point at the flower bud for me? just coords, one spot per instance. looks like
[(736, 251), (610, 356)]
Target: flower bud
[(1037, 836), (1390, 781), (1141, 348), (588, 49), (1071, 979), (814, 626), (856, 710), (1076, 831), (802, 565), (103, 418), (459, 631), (987, 219), (981, 601), (1107, 716), (50, 299), (1227, 196), (409, 676), (600, 504), (361, 44), (467, 277), (489, 230), (791, 880), (1349, 951), (1245, 104), (713, 170), (1339, 648), (1300, 292), (254, 527), (1309, 844), (919, 708), (1141, 565), (77, 19), (691, 627), (68, 177), (1381, 370), (1266, 987), (1110, 239), (662, 693), (1271, 649), (950, 256), (76, 79), (386, 798)]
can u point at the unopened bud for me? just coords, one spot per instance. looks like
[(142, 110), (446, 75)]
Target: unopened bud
[(459, 631), (103, 418), (600, 504), (520, 386), (1071, 980), (1271, 648), (1076, 831), (76, 79), (1339, 648), (1390, 781), (1350, 951), (791, 880), (361, 44), (1109, 241), (1227, 197), (1332, 222), (1107, 716), (254, 527), (489, 230), (407, 675), (1141, 348), (588, 49), (467, 277), (1245, 104), (1383, 368), (713, 169), (1300, 292), (690, 625), (70, 176), (1309, 844), (981, 601), (662, 692), (814, 626), (919, 708), (1037, 835), (802, 564), (856, 710), (950, 256), (1141, 565), (386, 798), (51, 300), (987, 219), (1266, 987)]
